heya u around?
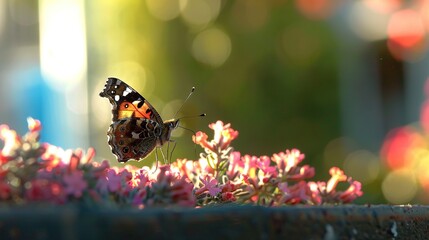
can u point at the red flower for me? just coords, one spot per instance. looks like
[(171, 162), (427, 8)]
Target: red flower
[(45, 190), (4, 190), (228, 197)]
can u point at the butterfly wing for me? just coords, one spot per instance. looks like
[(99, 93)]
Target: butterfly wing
[(136, 125), (127, 102), (133, 138)]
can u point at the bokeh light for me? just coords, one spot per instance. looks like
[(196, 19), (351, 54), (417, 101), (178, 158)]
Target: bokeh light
[(367, 23), (199, 13), (317, 9), (400, 147), (383, 6), (300, 46), (399, 186), (363, 166), (212, 47), (406, 32), (164, 9), (250, 14)]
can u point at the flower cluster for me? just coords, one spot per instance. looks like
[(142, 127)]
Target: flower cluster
[(222, 175), (39, 172), (31, 171)]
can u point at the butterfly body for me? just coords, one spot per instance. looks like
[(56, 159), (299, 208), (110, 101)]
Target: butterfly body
[(136, 127)]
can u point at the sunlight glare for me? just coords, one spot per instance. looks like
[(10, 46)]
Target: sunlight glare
[(63, 56)]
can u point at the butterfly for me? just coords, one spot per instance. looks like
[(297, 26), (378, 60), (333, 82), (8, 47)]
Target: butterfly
[(136, 128)]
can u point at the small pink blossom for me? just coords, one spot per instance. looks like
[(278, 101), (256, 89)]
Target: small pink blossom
[(288, 159), (235, 164), (353, 191), (264, 164), (34, 125), (302, 173), (210, 184), (337, 175), (75, 183), (11, 140), (250, 165), (201, 139), (297, 193), (224, 134)]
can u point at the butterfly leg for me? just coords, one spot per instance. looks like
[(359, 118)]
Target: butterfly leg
[(163, 156), (156, 159), (172, 150)]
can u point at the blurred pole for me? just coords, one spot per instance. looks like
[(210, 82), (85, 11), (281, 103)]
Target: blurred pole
[(63, 60), (417, 73)]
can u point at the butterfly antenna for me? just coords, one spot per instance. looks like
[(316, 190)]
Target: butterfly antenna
[(200, 115), (189, 95)]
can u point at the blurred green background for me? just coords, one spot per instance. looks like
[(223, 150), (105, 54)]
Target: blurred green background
[(331, 78)]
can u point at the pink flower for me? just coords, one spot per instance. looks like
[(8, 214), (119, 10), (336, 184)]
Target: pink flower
[(297, 193), (288, 159), (353, 191), (301, 173), (264, 164), (201, 139), (250, 165), (11, 141), (315, 192), (172, 189), (210, 184), (99, 169), (75, 183), (141, 179), (224, 134), (110, 182), (337, 175), (34, 125), (235, 164), (52, 156), (45, 190)]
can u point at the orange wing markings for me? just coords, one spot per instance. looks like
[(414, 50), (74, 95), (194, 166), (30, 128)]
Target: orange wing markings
[(127, 109)]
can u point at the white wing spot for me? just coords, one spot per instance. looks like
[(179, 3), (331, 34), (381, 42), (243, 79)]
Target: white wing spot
[(134, 135), (126, 92), (117, 97)]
